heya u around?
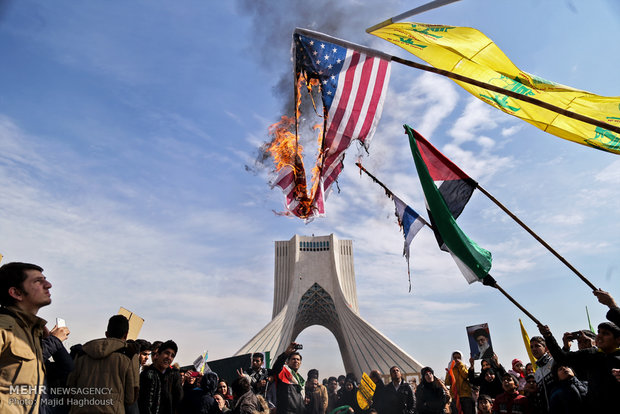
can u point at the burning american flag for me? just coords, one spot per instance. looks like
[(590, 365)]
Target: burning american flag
[(353, 81)]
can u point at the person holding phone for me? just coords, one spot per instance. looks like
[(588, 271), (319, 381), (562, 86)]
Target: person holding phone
[(23, 291), (289, 383)]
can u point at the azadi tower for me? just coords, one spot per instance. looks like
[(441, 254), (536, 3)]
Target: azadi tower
[(315, 285)]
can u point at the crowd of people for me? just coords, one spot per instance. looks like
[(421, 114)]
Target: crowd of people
[(116, 375)]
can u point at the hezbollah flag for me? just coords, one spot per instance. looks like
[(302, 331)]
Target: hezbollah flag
[(472, 260), (468, 52)]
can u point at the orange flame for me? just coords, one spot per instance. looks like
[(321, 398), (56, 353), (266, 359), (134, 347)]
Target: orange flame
[(287, 152)]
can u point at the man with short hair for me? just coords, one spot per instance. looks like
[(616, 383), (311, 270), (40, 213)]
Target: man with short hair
[(105, 364), (23, 291), (398, 396), (603, 394), (377, 396), (145, 352), (258, 374), (245, 401), (289, 384), (332, 395), (320, 390), (160, 384), (544, 377)]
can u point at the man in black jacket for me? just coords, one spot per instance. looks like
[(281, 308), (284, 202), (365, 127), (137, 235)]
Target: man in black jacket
[(599, 364), (289, 384), (160, 384), (398, 396)]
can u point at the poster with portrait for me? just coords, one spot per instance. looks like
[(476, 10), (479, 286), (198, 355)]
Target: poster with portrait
[(479, 338)]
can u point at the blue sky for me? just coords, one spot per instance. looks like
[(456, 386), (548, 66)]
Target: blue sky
[(129, 133)]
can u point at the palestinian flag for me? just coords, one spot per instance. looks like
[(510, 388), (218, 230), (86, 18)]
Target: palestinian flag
[(453, 184), (445, 205), (288, 376)]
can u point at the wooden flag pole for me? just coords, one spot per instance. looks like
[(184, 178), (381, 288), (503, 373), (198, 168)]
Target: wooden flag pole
[(540, 240), (421, 9), (489, 281), (512, 94), (375, 179), (461, 78)]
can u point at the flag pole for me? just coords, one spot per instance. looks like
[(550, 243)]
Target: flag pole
[(375, 179), (421, 9), (536, 236), (461, 78), (512, 94), (489, 281)]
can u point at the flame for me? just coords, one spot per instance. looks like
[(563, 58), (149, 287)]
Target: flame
[(287, 152)]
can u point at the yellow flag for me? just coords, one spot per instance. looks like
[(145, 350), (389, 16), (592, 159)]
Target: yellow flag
[(1, 257), (468, 52), (365, 392), (526, 341)]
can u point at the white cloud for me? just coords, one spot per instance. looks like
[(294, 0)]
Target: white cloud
[(610, 174), (509, 131), (477, 117)]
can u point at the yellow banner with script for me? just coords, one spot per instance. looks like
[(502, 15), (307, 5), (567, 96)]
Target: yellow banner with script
[(365, 392), (468, 52)]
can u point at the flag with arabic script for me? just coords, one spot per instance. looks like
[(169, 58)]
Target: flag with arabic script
[(468, 52)]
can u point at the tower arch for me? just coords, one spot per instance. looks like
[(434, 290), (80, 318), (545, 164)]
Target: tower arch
[(314, 284)]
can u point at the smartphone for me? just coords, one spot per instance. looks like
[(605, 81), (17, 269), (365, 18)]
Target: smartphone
[(60, 323), (299, 346)]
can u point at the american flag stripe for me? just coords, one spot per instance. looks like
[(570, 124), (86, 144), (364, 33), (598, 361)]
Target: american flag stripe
[(361, 112), (375, 102), (338, 109)]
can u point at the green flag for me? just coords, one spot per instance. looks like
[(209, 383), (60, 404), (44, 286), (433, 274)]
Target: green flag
[(473, 261)]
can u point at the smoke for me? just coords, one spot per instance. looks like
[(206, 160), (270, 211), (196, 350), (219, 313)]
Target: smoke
[(273, 23)]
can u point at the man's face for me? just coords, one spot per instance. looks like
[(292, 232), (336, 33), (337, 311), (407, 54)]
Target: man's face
[(164, 359), (481, 340), (605, 340), (333, 385), (294, 362), (34, 292), (538, 349), (144, 357), (395, 374), (313, 383), (257, 363), (508, 384)]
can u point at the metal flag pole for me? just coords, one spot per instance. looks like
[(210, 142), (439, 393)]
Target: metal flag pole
[(421, 9)]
